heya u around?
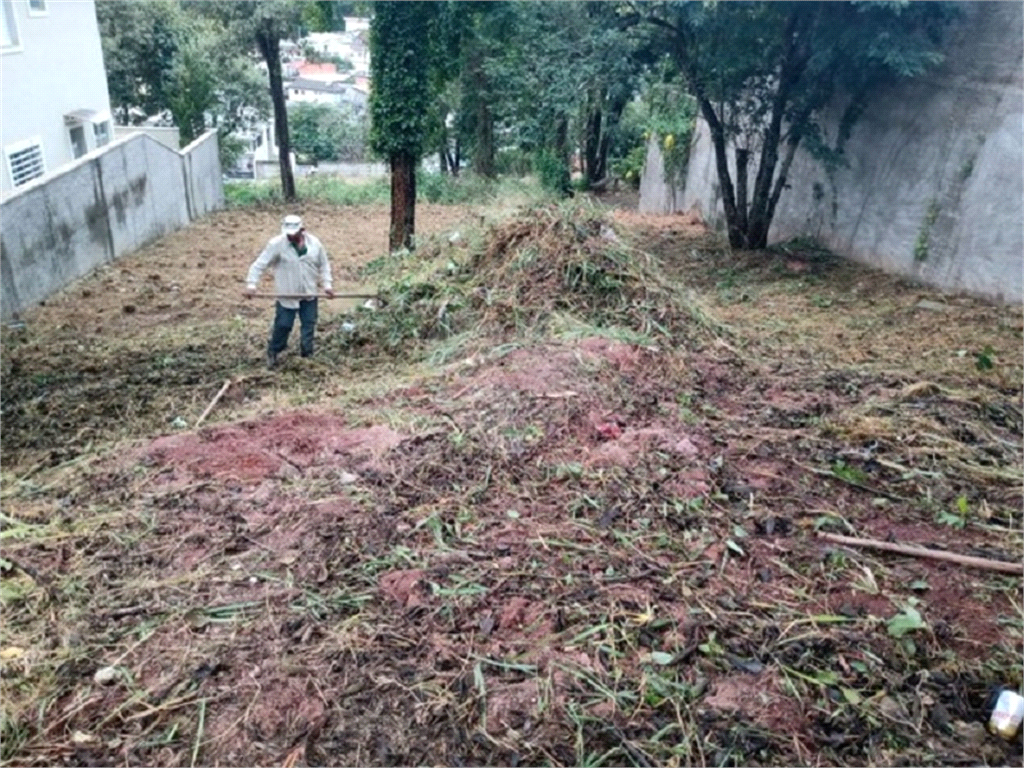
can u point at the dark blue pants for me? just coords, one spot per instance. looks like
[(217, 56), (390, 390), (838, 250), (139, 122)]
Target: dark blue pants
[(284, 320)]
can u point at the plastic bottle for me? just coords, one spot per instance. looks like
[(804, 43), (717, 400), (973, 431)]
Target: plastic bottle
[(1007, 713)]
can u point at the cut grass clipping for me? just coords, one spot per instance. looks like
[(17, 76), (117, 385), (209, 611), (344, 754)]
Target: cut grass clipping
[(554, 270)]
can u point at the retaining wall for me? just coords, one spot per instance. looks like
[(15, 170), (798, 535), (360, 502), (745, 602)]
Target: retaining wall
[(108, 203)]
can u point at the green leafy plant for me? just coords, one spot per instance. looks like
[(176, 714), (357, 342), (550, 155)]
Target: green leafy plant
[(908, 621), (844, 471), (956, 519), (985, 360), (552, 172)]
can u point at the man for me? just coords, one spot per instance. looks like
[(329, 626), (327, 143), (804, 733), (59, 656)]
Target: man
[(298, 260)]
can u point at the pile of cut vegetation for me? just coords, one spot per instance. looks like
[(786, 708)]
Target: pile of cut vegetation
[(549, 267)]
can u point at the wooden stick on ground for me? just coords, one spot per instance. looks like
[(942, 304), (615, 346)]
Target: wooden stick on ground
[(213, 402), (933, 554), (320, 296)]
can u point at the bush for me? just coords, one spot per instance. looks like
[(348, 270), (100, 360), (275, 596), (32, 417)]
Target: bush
[(247, 194), (552, 171), (513, 162), (631, 167), (430, 187)]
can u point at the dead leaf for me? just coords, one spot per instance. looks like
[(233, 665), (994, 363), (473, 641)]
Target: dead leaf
[(288, 558), (487, 624)]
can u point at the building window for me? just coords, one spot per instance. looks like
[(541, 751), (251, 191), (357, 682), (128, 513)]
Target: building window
[(10, 40), (101, 132), (38, 8), (25, 161), (78, 145)]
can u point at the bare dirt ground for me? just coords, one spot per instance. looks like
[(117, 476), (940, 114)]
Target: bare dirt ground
[(556, 503)]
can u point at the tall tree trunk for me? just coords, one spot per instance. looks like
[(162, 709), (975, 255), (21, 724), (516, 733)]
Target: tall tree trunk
[(737, 235), (762, 207), (442, 159), (270, 48), (592, 148), (455, 161), (403, 202), (483, 156), (742, 156)]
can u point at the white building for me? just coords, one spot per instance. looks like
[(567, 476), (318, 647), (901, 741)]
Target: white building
[(357, 24), (54, 105), (337, 94), (352, 46)]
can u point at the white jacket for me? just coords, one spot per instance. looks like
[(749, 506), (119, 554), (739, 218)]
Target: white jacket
[(294, 275)]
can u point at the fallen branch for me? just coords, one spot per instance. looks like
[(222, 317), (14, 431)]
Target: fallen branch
[(306, 297), (933, 554), (213, 402)]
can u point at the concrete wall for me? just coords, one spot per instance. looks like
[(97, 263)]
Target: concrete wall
[(109, 203), (935, 184), (657, 195), (56, 69), (169, 137)]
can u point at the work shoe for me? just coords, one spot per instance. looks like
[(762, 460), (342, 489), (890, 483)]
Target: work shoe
[(271, 360)]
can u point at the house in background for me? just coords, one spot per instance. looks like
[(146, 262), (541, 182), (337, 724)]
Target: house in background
[(335, 93), (54, 104), (352, 45), (326, 72)]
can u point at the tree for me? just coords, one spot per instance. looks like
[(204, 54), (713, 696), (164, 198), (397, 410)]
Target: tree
[(161, 56), (611, 72), (327, 132), (215, 85), (400, 101), (139, 43), (271, 21), (193, 90), (266, 23), (560, 82), (762, 74)]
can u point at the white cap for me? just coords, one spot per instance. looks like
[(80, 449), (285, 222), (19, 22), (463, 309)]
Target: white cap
[(291, 224)]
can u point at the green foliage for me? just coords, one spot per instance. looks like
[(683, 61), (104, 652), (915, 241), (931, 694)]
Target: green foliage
[(906, 622), (314, 56), (139, 43), (326, 132), (631, 167), (453, 190), (248, 194), (400, 57), (985, 360), (664, 109), (546, 271), (317, 17), (566, 72), (762, 74), (430, 187), (165, 56), (513, 161), (844, 471), (552, 172), (193, 85)]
